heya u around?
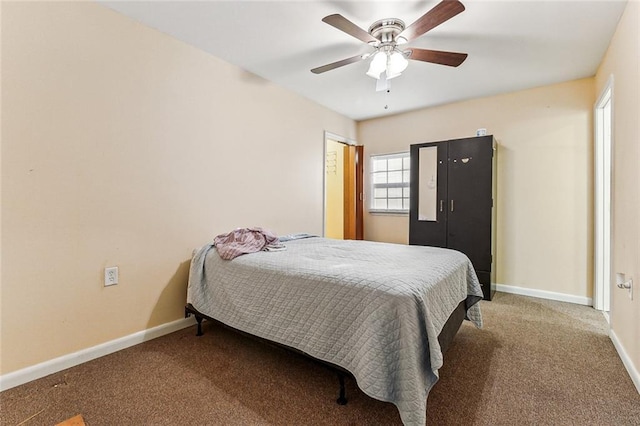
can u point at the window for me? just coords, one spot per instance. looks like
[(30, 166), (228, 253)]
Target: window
[(390, 183)]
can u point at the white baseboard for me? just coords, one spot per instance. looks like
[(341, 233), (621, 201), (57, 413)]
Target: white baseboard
[(543, 294), (626, 360), (19, 377)]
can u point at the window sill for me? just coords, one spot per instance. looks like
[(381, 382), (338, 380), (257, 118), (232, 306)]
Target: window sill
[(389, 212)]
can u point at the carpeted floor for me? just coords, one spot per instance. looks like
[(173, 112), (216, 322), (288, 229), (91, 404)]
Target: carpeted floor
[(536, 362)]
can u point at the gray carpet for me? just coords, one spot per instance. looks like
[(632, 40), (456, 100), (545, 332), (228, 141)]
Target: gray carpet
[(536, 362)]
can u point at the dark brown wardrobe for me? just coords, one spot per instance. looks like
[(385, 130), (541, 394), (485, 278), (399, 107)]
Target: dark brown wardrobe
[(452, 200)]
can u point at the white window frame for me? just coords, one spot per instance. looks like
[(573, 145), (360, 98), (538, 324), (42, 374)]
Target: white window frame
[(406, 160)]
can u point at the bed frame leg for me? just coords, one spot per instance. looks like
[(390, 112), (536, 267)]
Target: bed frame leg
[(188, 311), (342, 400), (199, 320)]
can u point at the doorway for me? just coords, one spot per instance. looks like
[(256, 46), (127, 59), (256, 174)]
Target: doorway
[(603, 114), (343, 183)]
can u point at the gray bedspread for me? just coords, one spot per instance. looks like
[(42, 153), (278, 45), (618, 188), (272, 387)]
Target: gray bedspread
[(375, 309)]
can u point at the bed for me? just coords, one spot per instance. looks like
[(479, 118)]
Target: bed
[(375, 310)]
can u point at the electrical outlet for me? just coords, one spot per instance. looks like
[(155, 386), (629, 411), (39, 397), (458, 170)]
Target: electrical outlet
[(110, 276)]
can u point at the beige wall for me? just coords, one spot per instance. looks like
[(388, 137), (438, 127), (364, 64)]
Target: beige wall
[(544, 178), (623, 62), (334, 184), (122, 146)]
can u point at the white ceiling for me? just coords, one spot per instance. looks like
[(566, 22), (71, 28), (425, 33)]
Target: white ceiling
[(512, 45)]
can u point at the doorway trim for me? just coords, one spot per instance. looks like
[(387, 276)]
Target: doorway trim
[(326, 137), (603, 206)]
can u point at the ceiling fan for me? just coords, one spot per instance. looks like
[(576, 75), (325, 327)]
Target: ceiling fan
[(386, 35)]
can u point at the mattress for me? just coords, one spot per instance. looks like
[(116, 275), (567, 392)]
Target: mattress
[(374, 309)]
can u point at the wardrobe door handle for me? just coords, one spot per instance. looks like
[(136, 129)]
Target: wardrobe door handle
[(451, 205), (441, 205)]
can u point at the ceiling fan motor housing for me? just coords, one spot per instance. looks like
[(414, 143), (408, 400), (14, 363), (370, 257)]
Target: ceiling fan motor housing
[(386, 30)]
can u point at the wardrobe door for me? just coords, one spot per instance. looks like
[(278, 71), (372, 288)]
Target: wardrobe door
[(470, 200), (428, 216)]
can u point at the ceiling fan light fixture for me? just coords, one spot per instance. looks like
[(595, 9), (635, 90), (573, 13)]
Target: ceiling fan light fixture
[(377, 65), (396, 64)]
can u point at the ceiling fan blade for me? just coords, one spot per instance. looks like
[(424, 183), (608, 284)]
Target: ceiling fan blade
[(337, 64), (451, 59), (343, 24), (442, 12)]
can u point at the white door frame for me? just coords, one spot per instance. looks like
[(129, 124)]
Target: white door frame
[(603, 165)]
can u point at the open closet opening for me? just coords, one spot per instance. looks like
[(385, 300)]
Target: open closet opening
[(343, 183)]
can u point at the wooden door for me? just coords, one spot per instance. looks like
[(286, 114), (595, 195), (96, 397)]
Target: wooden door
[(353, 192)]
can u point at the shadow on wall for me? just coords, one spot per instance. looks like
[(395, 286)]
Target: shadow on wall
[(170, 304)]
